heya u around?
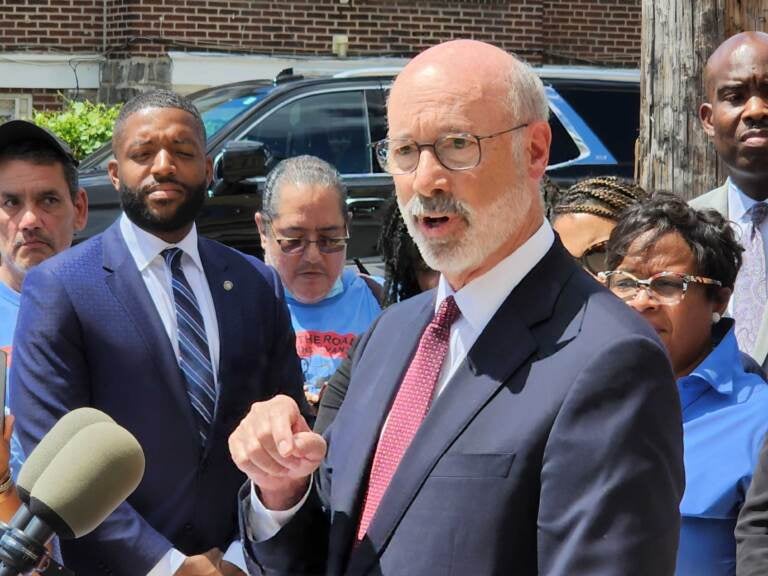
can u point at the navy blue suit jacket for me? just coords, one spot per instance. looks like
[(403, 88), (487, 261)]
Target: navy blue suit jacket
[(555, 449), (88, 334)]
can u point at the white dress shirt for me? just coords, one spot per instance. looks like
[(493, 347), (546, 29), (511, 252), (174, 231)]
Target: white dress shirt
[(738, 206), (146, 249), (478, 301)]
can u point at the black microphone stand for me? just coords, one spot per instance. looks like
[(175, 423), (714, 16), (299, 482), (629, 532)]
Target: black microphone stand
[(21, 552)]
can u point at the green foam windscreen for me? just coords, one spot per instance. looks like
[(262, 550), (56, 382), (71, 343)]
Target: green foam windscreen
[(93, 474), (56, 438)]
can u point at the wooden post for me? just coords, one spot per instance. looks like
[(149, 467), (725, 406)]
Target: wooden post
[(678, 36)]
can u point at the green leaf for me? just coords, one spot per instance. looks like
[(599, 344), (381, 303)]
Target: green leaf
[(83, 125)]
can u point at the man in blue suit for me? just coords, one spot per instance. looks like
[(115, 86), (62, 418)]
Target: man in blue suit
[(171, 334), (517, 419)]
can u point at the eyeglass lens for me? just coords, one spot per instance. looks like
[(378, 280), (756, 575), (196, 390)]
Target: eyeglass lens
[(666, 289), (454, 151), (324, 244), (594, 258)]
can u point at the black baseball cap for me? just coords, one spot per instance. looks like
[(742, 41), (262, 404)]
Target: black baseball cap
[(15, 131)]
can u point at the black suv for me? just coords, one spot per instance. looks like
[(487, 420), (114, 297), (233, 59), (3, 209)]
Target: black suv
[(337, 119)]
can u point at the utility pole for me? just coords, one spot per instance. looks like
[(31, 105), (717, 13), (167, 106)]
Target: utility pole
[(673, 153)]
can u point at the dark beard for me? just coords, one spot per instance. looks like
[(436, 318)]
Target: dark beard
[(134, 204)]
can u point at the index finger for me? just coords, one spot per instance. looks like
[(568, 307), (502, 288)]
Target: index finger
[(282, 419)]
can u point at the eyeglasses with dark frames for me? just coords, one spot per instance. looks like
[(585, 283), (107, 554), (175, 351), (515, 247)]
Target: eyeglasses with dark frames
[(459, 151), (325, 244), (667, 288)]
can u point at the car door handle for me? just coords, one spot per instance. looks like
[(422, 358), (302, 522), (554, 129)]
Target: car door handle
[(364, 206)]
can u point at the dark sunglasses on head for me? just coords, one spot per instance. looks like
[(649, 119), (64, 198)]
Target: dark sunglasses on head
[(594, 258)]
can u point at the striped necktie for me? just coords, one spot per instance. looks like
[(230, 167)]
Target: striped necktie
[(194, 354)]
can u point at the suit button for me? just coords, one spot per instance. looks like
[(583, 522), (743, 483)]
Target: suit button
[(188, 527)]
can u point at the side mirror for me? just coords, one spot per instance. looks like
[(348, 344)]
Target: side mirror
[(242, 159)]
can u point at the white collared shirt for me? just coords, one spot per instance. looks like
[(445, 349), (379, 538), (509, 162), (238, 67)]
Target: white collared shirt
[(738, 206), (481, 298), (145, 249), (478, 302)]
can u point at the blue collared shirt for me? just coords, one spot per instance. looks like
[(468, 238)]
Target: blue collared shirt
[(725, 417)]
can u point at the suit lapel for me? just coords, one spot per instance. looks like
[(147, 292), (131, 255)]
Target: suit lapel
[(477, 380), (126, 284), (225, 292), (375, 379), (377, 400), (505, 346), (720, 199)]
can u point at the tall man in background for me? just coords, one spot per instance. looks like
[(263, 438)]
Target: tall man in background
[(171, 334), (735, 118), (517, 419)]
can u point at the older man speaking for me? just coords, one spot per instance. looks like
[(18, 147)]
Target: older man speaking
[(516, 420)]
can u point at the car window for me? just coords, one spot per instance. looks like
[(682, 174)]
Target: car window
[(563, 147), (613, 113), (219, 107), (377, 120), (332, 126)]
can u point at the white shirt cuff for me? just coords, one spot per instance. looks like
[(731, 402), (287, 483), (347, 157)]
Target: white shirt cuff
[(234, 555), (168, 564), (263, 524)]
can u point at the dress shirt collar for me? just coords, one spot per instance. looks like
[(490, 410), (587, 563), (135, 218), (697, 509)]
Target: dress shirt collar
[(481, 298), (145, 247), (721, 367), (738, 203)]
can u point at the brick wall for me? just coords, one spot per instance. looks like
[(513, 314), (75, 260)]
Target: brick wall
[(306, 26), (599, 31), (603, 32), (41, 25), (41, 99)]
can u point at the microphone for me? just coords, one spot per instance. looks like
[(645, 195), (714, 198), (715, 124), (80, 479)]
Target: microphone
[(52, 443), (98, 468), (92, 475)]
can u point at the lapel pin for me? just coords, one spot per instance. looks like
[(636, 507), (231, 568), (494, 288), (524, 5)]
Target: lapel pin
[(228, 285)]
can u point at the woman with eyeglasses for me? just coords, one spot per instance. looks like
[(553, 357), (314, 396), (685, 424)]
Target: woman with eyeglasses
[(677, 266), (304, 228), (585, 214)]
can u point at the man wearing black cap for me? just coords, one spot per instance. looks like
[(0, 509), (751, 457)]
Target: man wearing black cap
[(41, 207)]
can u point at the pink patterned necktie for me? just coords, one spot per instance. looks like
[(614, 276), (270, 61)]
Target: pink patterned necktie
[(409, 408), (751, 289)]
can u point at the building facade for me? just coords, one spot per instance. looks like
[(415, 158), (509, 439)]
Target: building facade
[(109, 49)]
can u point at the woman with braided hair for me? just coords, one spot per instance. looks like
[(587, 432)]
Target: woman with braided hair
[(585, 214), (406, 273)]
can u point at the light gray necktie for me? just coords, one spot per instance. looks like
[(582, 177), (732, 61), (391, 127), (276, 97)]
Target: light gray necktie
[(751, 290)]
